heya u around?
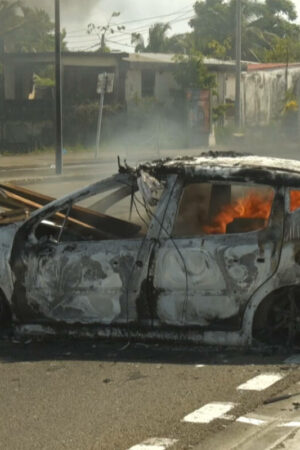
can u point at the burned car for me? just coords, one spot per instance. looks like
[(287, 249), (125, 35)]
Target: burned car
[(203, 249)]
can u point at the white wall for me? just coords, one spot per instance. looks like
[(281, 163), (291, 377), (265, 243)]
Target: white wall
[(262, 93), (164, 82)]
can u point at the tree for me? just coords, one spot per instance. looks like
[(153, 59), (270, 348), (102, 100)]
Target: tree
[(25, 29), (214, 22), (157, 38), (283, 50), (191, 72), (159, 42), (9, 20)]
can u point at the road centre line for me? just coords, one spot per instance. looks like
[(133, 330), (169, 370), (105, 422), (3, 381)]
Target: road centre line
[(251, 421), (290, 424), (260, 382), (155, 444), (209, 412)]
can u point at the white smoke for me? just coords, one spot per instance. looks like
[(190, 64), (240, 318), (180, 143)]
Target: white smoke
[(73, 12)]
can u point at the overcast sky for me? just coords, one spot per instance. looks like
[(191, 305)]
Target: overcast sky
[(137, 16)]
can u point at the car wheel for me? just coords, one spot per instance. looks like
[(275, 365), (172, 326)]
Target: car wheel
[(277, 320)]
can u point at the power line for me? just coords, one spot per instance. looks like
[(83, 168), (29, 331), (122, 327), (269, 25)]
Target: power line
[(178, 19), (139, 20)]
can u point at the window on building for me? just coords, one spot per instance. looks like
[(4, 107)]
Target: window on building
[(207, 208), (148, 83)]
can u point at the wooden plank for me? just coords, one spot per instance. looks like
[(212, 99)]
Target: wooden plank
[(16, 215), (76, 223), (107, 224)]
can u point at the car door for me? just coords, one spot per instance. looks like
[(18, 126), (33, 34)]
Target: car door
[(73, 280), (206, 279)]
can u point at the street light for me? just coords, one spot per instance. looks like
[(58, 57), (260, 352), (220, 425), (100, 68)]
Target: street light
[(58, 89)]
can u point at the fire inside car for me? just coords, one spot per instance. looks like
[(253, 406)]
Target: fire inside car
[(223, 209)]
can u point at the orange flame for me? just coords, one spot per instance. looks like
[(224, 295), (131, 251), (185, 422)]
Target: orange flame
[(253, 206), (294, 200)]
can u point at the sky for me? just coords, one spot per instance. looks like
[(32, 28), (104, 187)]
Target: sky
[(136, 15)]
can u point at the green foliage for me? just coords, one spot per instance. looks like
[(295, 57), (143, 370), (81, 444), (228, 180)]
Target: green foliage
[(283, 50), (219, 50), (26, 29), (9, 19), (191, 72), (159, 42), (262, 22), (220, 111), (43, 82)]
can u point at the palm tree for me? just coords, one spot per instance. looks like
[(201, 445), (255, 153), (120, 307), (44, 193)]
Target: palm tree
[(157, 40)]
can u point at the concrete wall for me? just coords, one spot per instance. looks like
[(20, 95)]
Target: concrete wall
[(164, 83), (133, 85), (263, 93)]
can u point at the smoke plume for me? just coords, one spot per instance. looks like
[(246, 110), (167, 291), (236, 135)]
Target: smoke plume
[(72, 11)]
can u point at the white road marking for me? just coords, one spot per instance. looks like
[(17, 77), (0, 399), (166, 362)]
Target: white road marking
[(251, 421), (228, 417), (155, 444), (198, 366), (294, 359), (290, 424), (261, 382), (209, 412)]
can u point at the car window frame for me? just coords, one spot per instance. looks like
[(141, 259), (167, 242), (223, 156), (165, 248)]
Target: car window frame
[(271, 221)]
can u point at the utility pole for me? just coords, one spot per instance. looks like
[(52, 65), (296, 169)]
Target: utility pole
[(99, 124), (58, 91), (238, 56)]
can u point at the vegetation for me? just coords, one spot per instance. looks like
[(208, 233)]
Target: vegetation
[(191, 72), (263, 24), (269, 31), (25, 29)]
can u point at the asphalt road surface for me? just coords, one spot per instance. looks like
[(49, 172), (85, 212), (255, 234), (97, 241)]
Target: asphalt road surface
[(95, 395)]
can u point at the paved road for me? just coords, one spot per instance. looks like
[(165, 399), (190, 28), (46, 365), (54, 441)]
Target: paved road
[(92, 395)]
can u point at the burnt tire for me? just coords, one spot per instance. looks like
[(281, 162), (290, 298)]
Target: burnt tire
[(277, 319)]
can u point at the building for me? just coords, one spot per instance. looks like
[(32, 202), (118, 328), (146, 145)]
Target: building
[(27, 110)]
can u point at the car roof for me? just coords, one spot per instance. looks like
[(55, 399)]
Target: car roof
[(228, 166)]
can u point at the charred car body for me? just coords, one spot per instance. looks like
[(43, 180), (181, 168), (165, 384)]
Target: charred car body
[(204, 249)]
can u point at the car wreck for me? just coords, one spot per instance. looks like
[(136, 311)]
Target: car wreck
[(195, 249)]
